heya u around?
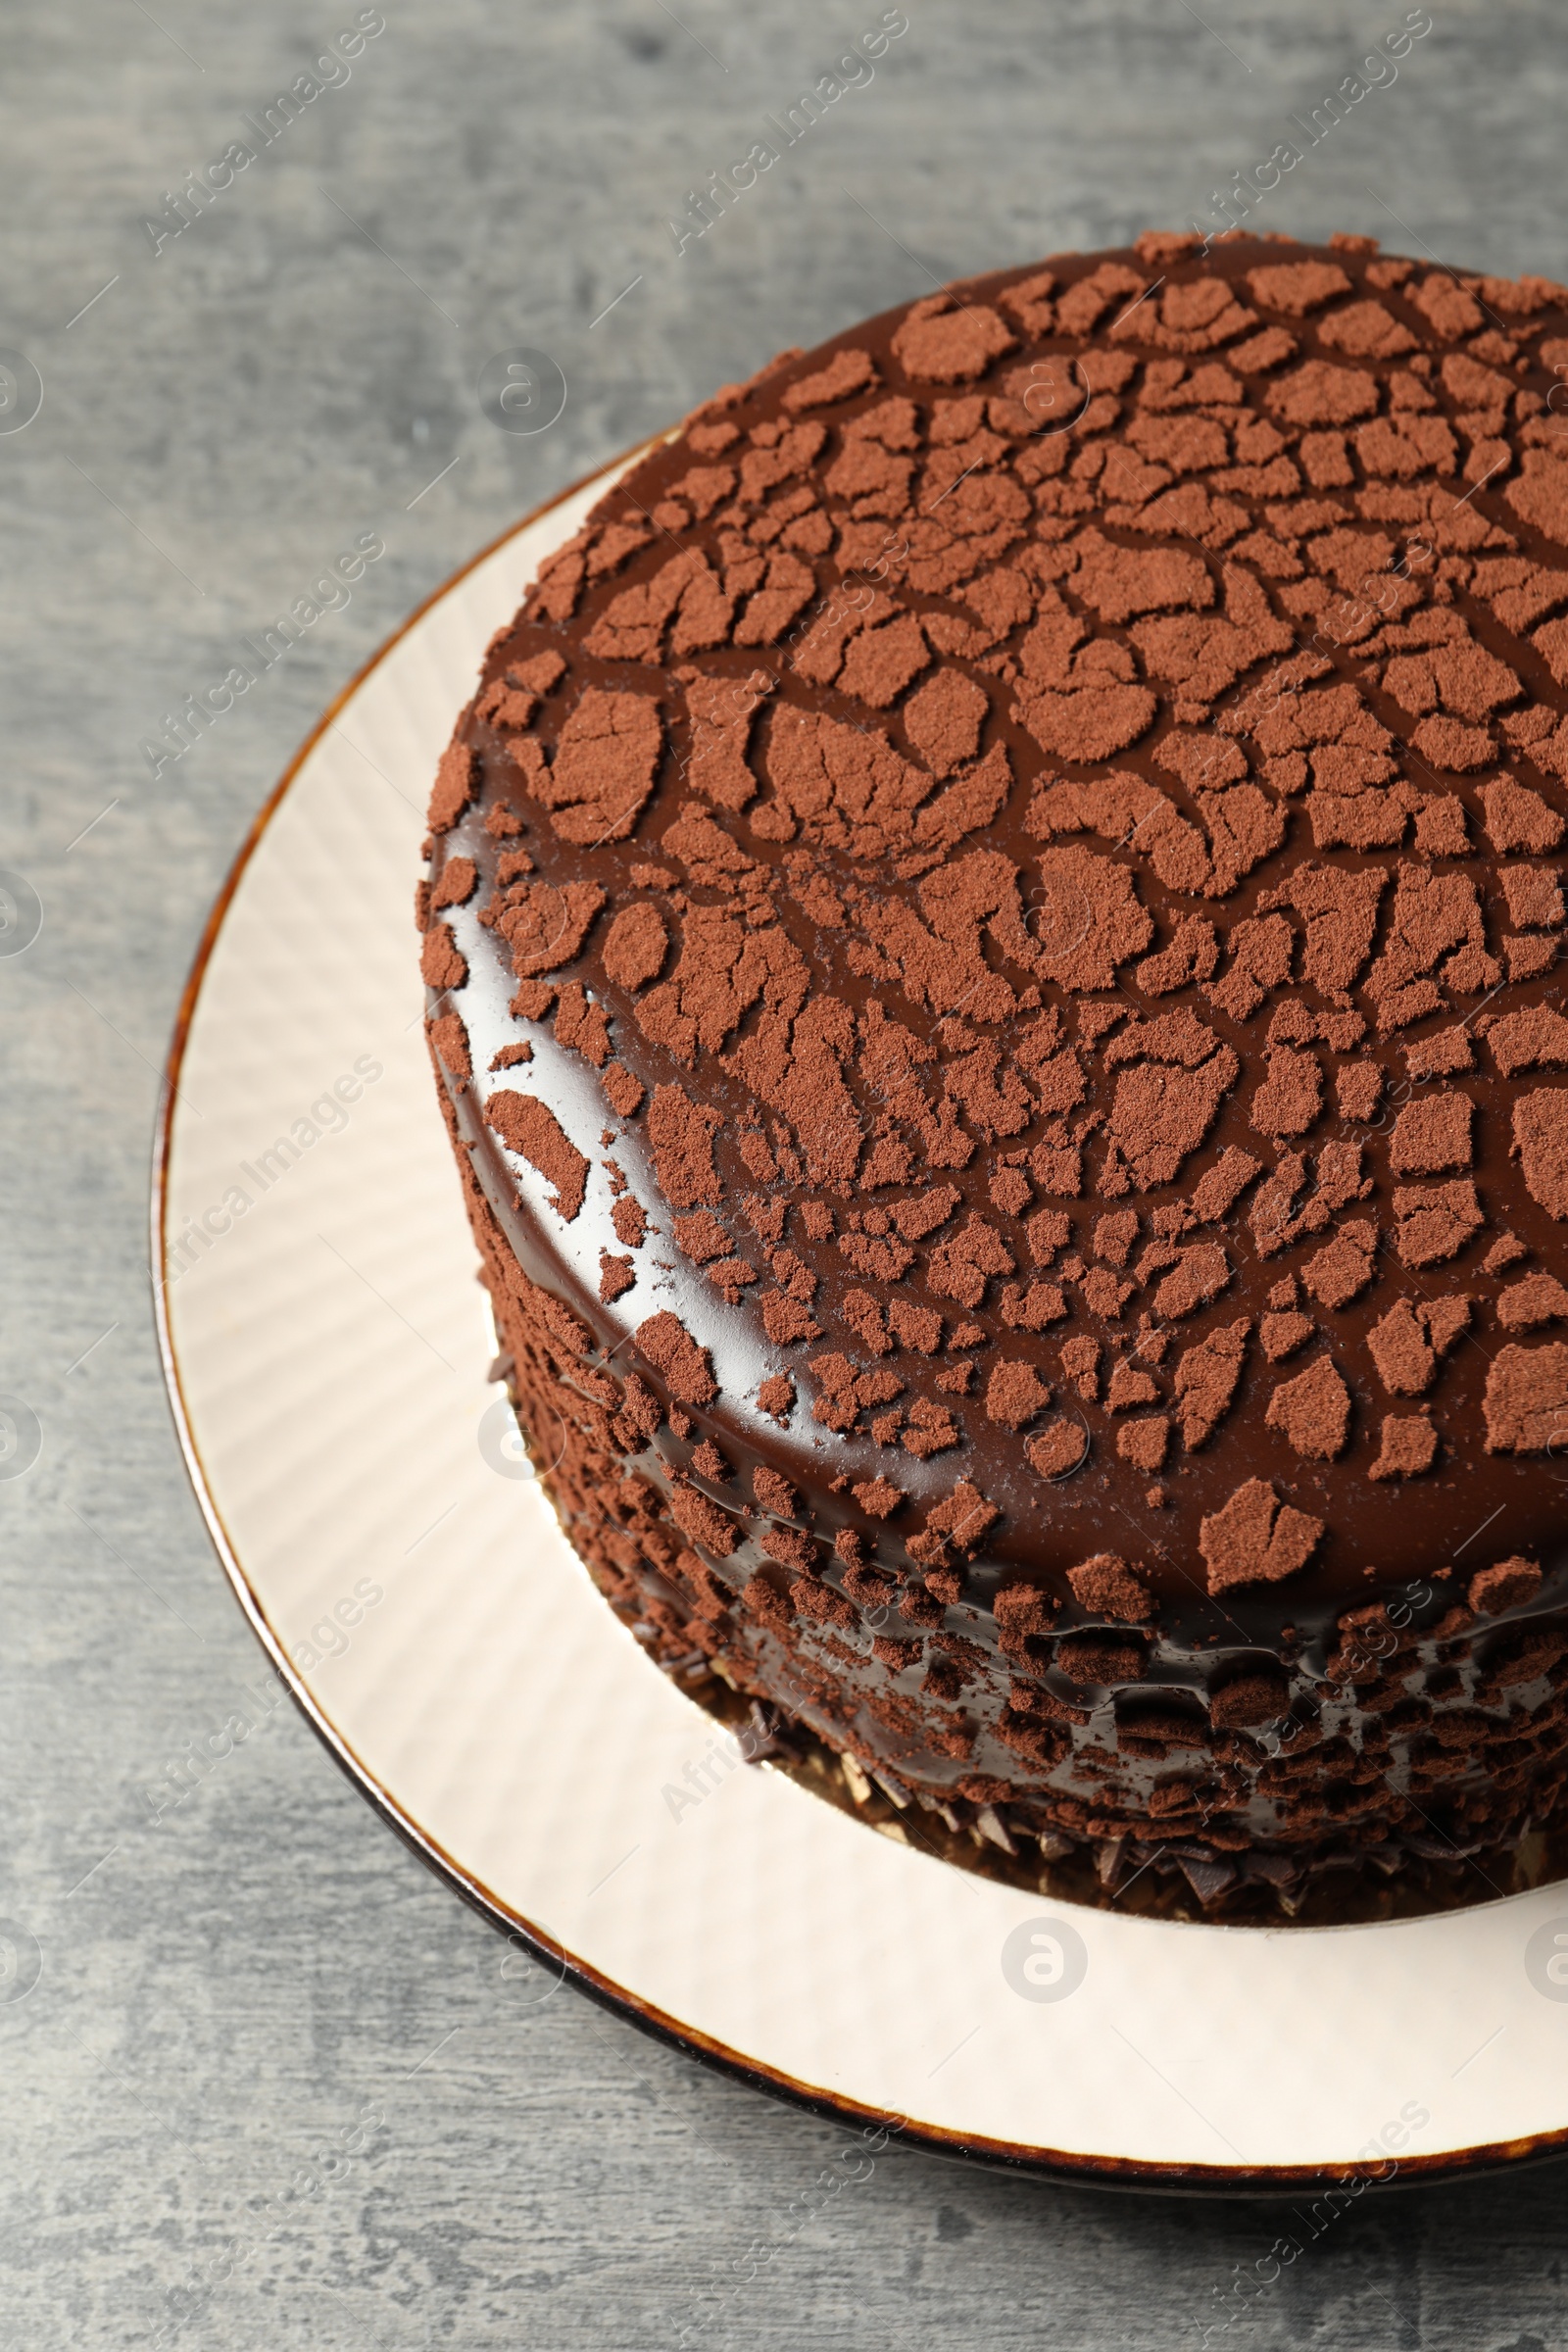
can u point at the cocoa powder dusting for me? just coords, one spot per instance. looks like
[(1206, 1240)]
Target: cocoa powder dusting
[(1061, 903)]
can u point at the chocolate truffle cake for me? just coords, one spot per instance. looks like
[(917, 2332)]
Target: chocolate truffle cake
[(993, 933)]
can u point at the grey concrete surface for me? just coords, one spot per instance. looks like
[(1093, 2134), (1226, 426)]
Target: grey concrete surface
[(273, 2084)]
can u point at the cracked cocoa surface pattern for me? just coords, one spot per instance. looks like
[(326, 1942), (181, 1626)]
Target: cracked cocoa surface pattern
[(993, 937)]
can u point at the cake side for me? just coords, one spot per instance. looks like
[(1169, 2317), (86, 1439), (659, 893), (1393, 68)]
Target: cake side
[(1027, 836)]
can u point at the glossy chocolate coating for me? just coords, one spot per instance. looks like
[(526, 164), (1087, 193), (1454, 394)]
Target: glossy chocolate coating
[(1412, 1541)]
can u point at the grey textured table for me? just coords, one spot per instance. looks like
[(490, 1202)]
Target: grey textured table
[(272, 2082)]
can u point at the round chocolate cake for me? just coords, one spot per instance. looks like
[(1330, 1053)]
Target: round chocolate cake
[(993, 933)]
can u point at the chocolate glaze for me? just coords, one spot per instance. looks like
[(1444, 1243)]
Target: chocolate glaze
[(1075, 1763)]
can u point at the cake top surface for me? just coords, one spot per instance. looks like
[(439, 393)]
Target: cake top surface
[(1000, 905)]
